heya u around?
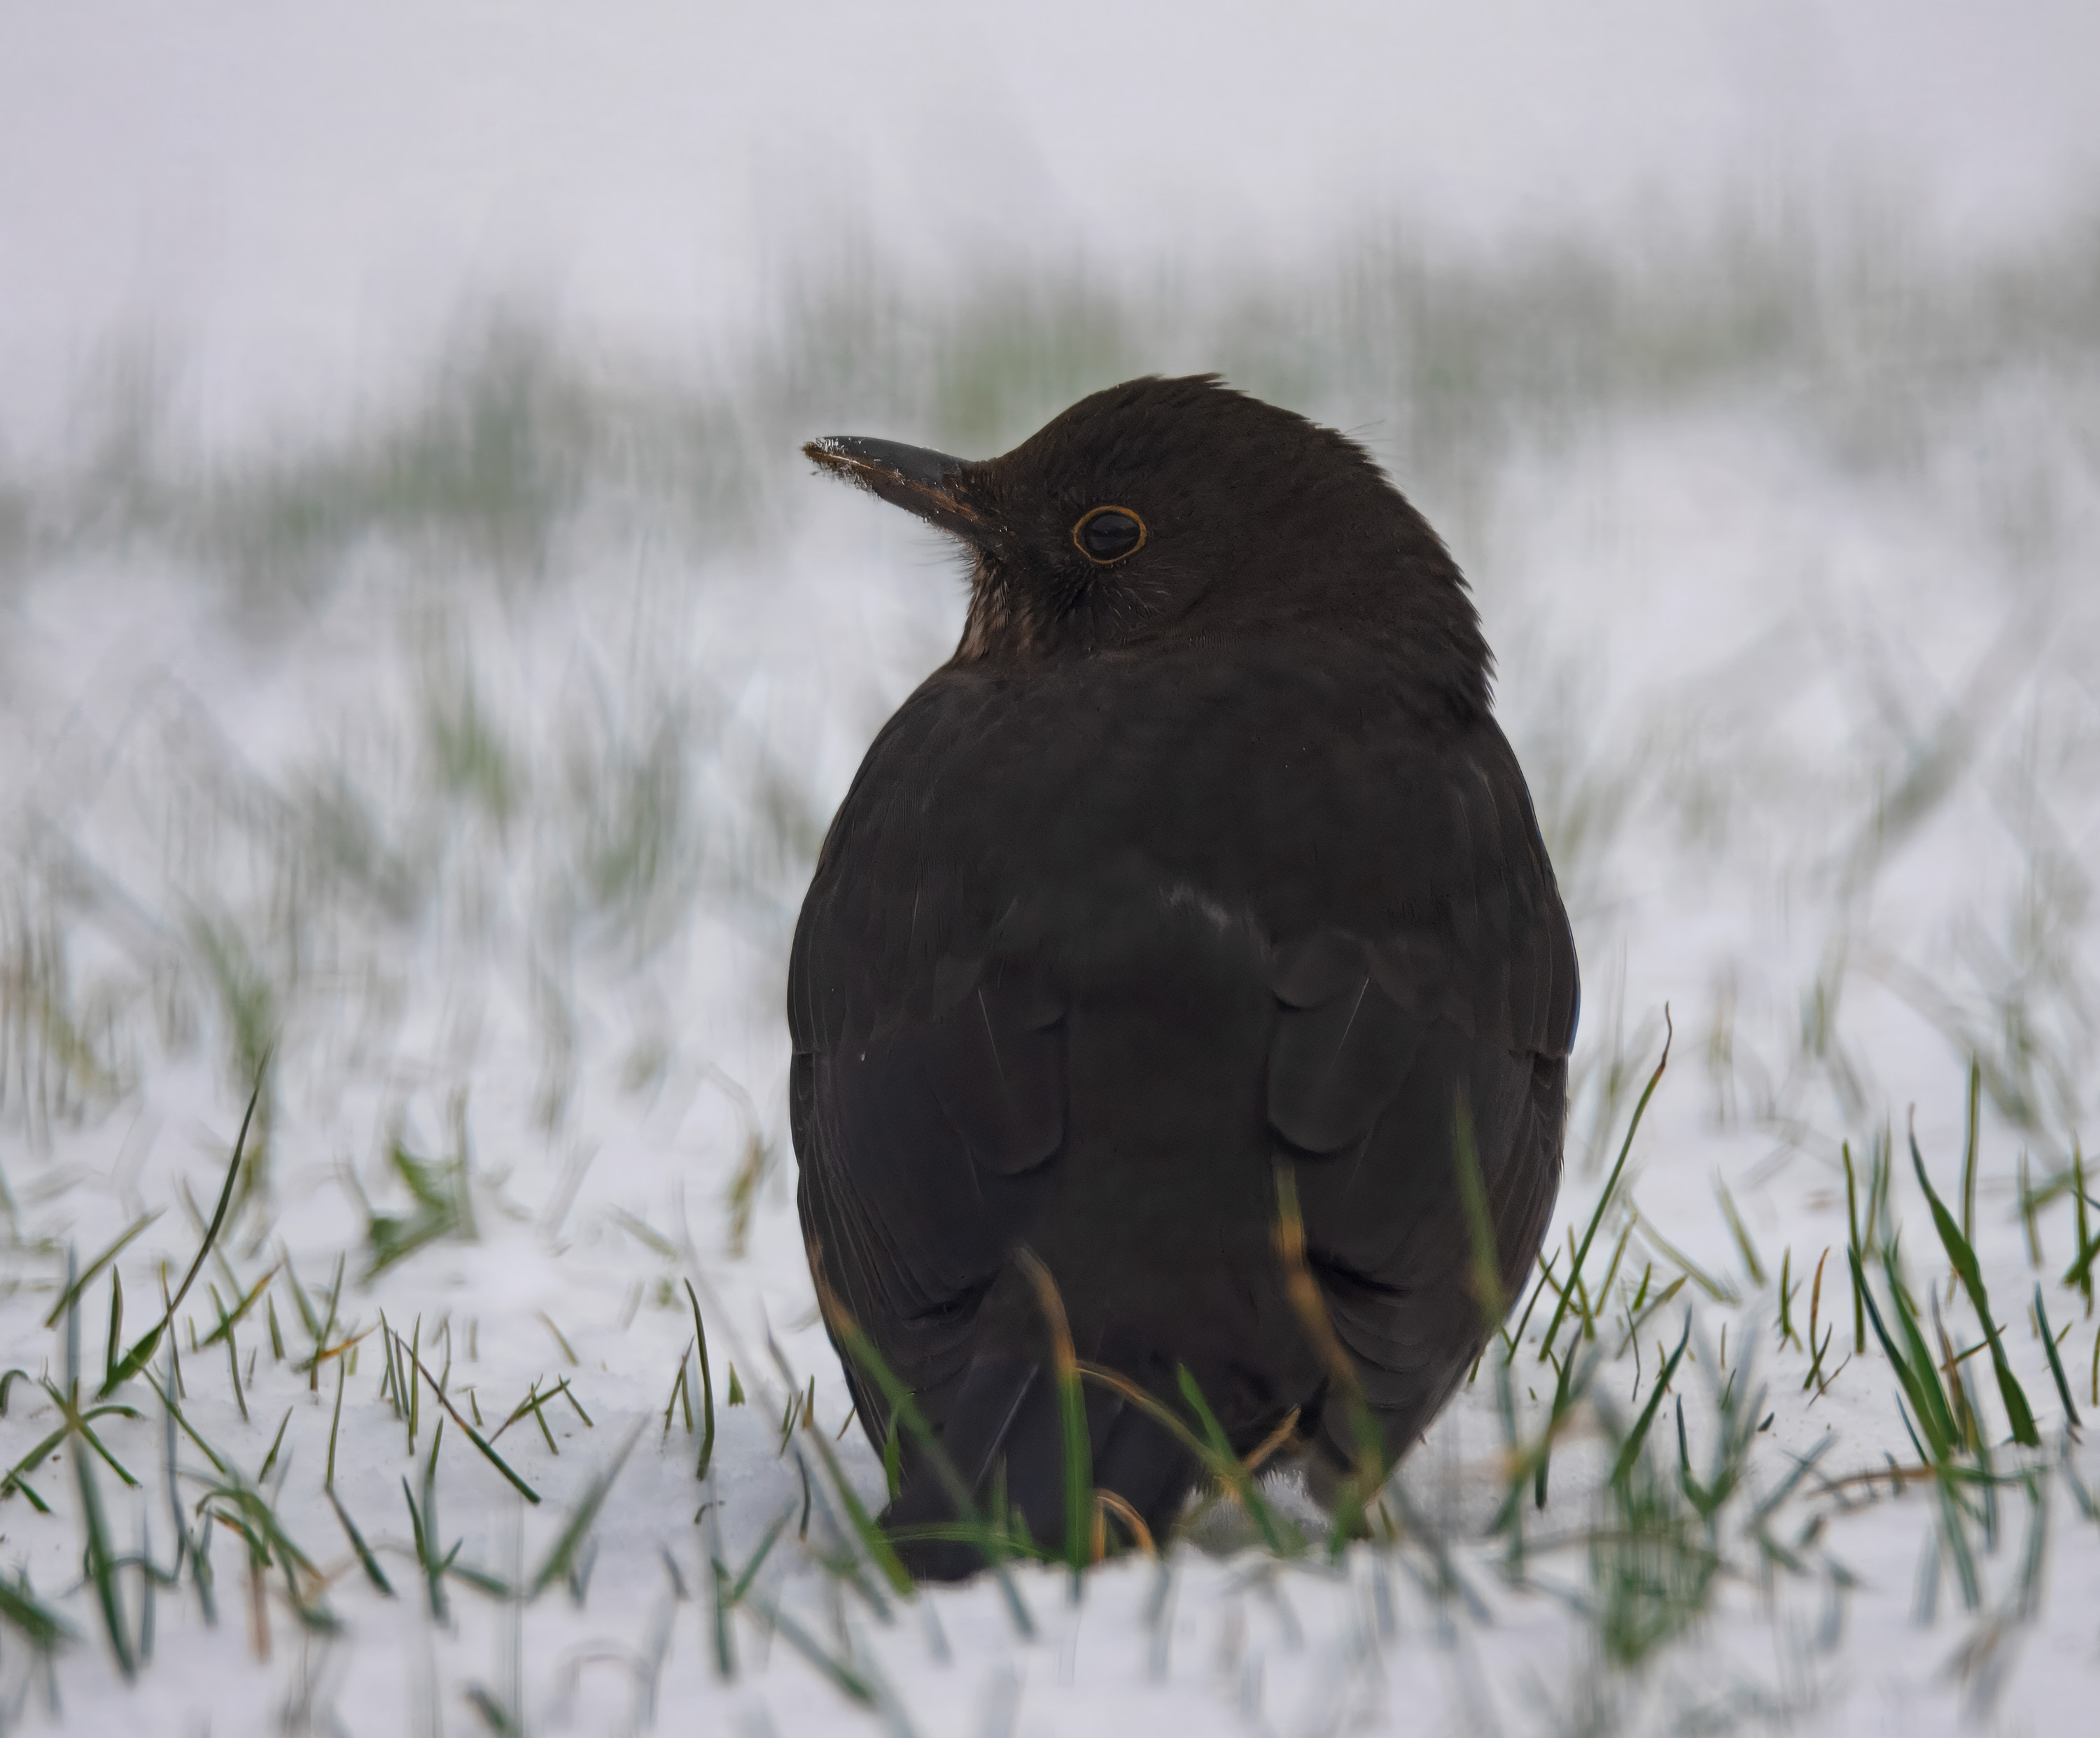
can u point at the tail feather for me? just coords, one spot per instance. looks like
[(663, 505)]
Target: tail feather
[(1006, 1416)]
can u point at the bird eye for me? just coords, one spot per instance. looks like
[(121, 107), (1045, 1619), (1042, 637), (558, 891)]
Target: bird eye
[(1108, 533)]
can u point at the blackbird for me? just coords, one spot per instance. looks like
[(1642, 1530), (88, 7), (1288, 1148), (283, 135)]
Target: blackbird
[(1184, 961)]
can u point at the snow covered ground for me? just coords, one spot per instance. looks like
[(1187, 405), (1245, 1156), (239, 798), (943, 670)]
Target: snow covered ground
[(458, 747)]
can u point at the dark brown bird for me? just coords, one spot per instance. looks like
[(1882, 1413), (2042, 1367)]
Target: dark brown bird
[(1202, 857)]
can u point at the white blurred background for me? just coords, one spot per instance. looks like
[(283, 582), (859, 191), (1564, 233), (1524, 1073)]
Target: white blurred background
[(295, 203)]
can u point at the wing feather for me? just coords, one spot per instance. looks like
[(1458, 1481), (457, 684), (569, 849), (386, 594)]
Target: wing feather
[(969, 909)]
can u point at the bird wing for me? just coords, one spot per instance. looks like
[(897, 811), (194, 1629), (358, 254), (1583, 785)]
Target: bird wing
[(1404, 1051), (927, 1091), (923, 1148), (1414, 946)]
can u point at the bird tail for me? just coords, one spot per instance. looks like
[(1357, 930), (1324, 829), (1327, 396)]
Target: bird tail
[(1004, 1441)]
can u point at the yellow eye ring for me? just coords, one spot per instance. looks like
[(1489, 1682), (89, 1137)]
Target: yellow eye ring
[(1111, 540)]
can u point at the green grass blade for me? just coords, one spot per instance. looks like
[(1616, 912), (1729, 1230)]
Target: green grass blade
[(990, 1537), (1960, 1251), (80, 1425), (742, 1584), (1280, 1534), (2080, 1274), (116, 1339), (474, 1435), (1954, 1531), (93, 1271), (2055, 1359), (1803, 1465), (1485, 1272), (434, 1564), (1752, 1263), (707, 1388), (276, 1443), (1721, 1292), (847, 1681), (40, 1626), (232, 1319), (893, 1461), (137, 1358), (370, 1564), (1630, 1449), (15, 1473), (1970, 1150), (423, 1546), (1610, 1187), (872, 1539), (720, 1631), (1859, 1253), (1079, 1459), (480, 1580), (1932, 1385), (335, 1421), (102, 1565), (561, 1556), (1941, 1438)]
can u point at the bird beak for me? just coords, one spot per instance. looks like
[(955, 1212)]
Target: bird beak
[(916, 479)]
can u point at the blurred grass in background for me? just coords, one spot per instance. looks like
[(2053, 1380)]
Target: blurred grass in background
[(520, 445), (594, 821)]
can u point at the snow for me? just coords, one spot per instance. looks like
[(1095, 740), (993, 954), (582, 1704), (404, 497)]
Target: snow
[(500, 814)]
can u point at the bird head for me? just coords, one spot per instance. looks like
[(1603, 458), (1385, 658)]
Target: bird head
[(1166, 510)]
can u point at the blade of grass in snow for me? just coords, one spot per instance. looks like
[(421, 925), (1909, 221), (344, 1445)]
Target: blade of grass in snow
[(1858, 1246), (749, 1573), (843, 1677), (893, 1460), (680, 1395), (1078, 1453), (2055, 1359), (717, 1577), (1971, 1148), (368, 1563), (276, 1443), (1720, 1292), (1611, 1186), (231, 1319), (426, 1555), (1915, 1370), (1630, 1449), (435, 1563), (869, 1536), (71, 1295), (707, 1386), (1545, 1279), (561, 1556), (2079, 1274), (990, 1538), (76, 1423), (1752, 1264), (474, 1436), (115, 1339), (1308, 1303), (99, 1559), (102, 1566), (1963, 1255), (335, 1424), (136, 1358), (42, 1628), (1485, 1275), (1212, 1449)]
